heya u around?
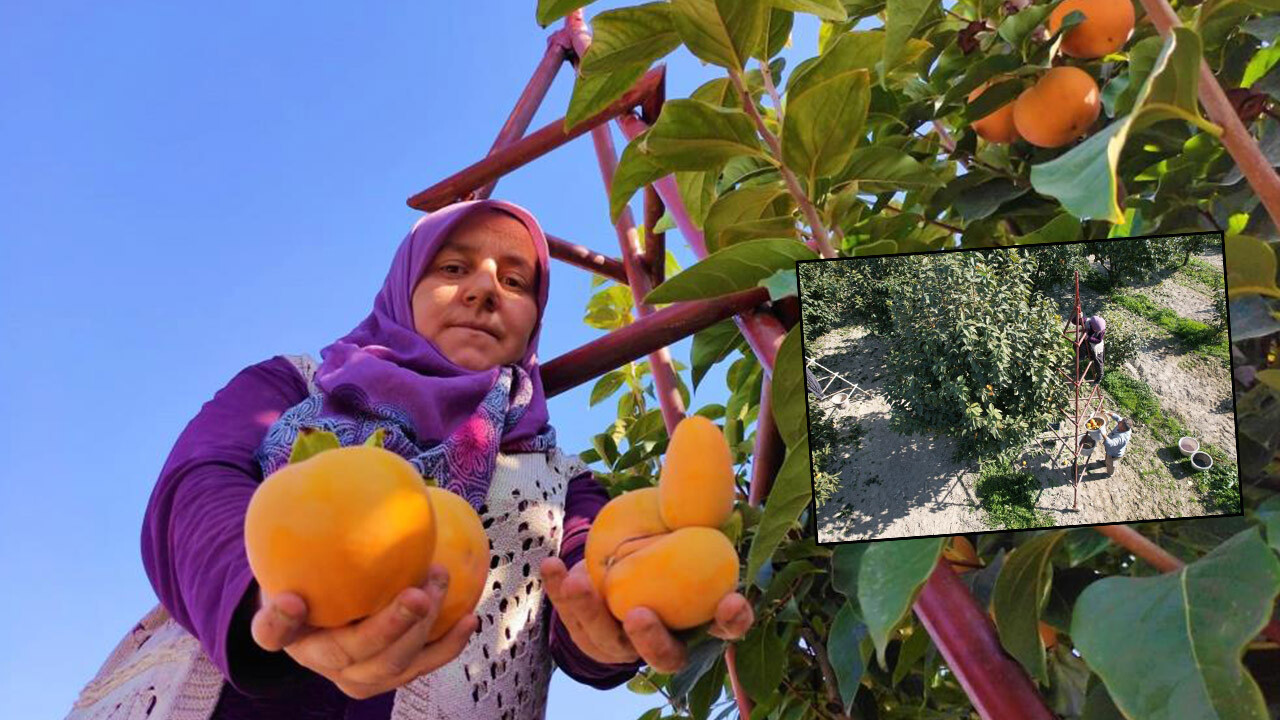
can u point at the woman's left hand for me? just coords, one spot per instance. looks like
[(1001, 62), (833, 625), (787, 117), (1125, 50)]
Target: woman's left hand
[(642, 634)]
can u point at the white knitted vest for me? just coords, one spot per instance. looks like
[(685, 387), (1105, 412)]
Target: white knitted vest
[(160, 672)]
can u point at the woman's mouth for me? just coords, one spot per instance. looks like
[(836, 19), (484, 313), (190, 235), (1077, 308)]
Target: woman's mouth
[(478, 328)]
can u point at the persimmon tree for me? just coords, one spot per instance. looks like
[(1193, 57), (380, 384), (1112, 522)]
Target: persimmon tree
[(975, 352), (868, 148)]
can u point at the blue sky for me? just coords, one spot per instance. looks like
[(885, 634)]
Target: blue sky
[(189, 188)]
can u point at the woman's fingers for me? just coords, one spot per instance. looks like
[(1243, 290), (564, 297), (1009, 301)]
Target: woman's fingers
[(443, 650), (584, 613), (590, 609), (389, 646), (653, 641), (733, 619), (280, 621)]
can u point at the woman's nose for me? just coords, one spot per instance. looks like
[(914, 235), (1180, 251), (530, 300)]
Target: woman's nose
[(482, 286)]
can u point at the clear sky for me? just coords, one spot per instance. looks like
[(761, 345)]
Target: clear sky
[(190, 188)]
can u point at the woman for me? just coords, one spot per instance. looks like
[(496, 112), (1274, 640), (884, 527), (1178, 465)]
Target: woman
[(1095, 328), (447, 362)]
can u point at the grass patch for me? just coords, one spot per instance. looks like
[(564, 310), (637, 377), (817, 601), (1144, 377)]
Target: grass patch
[(1219, 488), (1008, 497), (1137, 401), (1203, 274), (1192, 334)]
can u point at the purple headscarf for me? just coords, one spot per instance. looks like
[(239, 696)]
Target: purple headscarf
[(449, 421)]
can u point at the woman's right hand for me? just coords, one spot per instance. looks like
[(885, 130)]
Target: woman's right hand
[(377, 654)]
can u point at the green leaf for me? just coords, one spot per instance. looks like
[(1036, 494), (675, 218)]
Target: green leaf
[(826, 9), (777, 34), (881, 168), (1084, 544), (744, 205), (629, 36), (845, 564), (635, 170), (721, 32), (311, 442), (1062, 228), (1098, 705), (1020, 595), (1017, 27), (697, 191), (757, 660), (606, 386), (983, 200), (781, 284), (707, 690), (912, 650), (1084, 179), (844, 649), (641, 685), (594, 93), (702, 655), (889, 580), (377, 438), (792, 490), (551, 10), (858, 49), (737, 267), (788, 392), (712, 345), (1268, 513), (825, 112), (1253, 316), (692, 135), (1251, 267), (904, 20), (1194, 623)]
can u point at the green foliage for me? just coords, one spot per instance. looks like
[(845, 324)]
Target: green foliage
[(1122, 343), (1008, 497), (869, 143), (1196, 623), (827, 294), (1055, 267), (975, 353), (1135, 261)]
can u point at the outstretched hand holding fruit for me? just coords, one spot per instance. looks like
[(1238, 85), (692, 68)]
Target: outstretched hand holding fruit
[(368, 575), (656, 560), (376, 654)]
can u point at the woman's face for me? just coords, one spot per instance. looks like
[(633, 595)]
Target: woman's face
[(478, 299)]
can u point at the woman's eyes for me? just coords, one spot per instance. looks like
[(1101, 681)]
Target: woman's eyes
[(515, 282)]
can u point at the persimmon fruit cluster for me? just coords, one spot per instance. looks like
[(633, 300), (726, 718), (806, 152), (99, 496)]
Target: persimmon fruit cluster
[(1065, 101), (349, 528), (661, 547)]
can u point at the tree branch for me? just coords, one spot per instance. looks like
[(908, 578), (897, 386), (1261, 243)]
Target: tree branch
[(792, 182)]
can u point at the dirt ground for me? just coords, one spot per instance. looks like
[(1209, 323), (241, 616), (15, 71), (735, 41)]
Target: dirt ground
[(903, 486), (1193, 388)]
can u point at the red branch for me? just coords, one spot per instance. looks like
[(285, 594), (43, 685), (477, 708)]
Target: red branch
[(587, 259), (530, 99), (517, 154), (1235, 137), (996, 684)]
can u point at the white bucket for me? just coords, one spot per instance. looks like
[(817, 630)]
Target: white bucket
[(1188, 445), (1201, 460)]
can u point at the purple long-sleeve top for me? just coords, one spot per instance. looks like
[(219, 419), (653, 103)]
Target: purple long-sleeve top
[(194, 555)]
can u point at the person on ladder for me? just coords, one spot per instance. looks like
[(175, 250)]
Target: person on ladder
[(1095, 328)]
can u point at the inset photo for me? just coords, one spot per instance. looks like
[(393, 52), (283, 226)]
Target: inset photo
[(1014, 388)]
